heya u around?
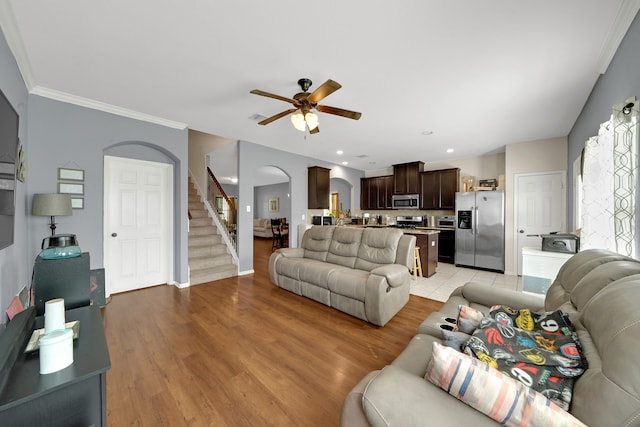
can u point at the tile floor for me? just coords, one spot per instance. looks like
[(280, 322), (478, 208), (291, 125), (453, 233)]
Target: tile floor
[(448, 277)]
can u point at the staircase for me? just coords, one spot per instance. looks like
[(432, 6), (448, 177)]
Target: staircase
[(209, 258)]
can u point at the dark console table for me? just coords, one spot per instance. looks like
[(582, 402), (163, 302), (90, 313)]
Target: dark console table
[(73, 396)]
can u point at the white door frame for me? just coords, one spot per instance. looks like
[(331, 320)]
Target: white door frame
[(169, 231), (563, 173)]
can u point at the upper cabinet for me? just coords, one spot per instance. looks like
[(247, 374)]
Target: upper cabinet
[(318, 187), (375, 193), (406, 178), (439, 188)]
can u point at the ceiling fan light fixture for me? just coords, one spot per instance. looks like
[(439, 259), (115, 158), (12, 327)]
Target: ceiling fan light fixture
[(297, 118), (312, 120)]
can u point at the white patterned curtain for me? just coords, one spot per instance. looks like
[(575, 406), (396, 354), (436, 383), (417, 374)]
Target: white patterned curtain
[(609, 175)]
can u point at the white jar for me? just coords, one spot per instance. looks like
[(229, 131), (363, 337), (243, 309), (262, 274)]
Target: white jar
[(56, 350)]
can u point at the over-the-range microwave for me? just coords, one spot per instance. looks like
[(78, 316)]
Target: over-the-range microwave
[(405, 201)]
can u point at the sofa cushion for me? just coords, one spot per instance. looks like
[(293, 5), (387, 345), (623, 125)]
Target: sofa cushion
[(316, 241), (317, 272), (558, 295), (378, 247), (343, 249), (349, 283), (488, 390), (599, 278), (609, 331)]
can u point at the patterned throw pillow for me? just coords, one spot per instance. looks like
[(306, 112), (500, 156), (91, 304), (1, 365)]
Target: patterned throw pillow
[(486, 389), (468, 319)]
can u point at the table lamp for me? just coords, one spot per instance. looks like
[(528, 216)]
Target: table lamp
[(51, 205)]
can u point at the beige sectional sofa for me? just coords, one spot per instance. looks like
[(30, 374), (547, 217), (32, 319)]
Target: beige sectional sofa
[(599, 290), (362, 272), (262, 228)]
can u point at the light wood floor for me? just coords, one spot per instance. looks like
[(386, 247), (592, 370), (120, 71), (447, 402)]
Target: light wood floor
[(241, 352)]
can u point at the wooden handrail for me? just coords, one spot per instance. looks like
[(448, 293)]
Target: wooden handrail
[(213, 177), (230, 202)]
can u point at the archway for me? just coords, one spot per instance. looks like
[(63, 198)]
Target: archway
[(271, 194)]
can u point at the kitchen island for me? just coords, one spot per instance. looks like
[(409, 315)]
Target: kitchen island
[(427, 240)]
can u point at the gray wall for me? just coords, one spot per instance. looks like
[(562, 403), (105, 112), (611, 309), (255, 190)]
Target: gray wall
[(63, 134), (261, 196), (620, 81), (55, 134), (251, 157), (15, 261)]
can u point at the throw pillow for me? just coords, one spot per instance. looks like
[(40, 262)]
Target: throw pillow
[(468, 319), (487, 390)]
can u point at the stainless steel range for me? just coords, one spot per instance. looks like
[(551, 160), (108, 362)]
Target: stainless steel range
[(408, 221)]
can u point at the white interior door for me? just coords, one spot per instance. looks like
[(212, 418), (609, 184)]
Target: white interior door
[(138, 223), (540, 208)]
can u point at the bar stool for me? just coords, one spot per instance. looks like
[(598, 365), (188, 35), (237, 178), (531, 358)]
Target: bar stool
[(417, 264)]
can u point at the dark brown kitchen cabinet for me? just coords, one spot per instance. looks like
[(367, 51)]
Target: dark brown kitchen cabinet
[(375, 193), (439, 188), (384, 187), (406, 178), (449, 184), (365, 193), (318, 187)]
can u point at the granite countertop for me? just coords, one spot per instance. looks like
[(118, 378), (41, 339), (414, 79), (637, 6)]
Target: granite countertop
[(417, 230)]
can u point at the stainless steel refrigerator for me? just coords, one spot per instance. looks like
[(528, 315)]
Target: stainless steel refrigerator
[(480, 230)]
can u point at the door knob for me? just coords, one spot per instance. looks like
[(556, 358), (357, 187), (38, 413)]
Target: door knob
[(521, 231), (114, 234)]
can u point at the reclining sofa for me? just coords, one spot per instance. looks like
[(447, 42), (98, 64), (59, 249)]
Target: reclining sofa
[(363, 272), (600, 292)]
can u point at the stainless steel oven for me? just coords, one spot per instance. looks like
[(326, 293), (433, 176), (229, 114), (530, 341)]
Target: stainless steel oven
[(446, 221), (405, 201)]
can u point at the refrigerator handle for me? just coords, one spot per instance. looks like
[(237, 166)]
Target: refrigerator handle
[(475, 220)]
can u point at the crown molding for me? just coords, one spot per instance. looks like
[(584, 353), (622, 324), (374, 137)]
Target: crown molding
[(626, 14), (102, 106), (14, 40)]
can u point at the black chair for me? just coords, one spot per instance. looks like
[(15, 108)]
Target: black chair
[(277, 234)]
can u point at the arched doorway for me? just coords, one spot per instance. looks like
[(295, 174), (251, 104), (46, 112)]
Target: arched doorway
[(271, 194)]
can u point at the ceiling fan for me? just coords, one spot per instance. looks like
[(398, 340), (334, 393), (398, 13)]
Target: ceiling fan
[(302, 117)]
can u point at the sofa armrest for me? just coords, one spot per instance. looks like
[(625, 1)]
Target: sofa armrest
[(491, 295), (282, 253), (291, 252), (396, 397), (395, 274)]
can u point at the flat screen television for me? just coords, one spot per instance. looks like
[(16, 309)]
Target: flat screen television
[(8, 159)]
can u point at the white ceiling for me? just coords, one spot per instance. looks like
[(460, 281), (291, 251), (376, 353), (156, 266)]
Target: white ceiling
[(478, 74)]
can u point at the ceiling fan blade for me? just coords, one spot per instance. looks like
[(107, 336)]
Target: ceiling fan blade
[(276, 117), (324, 90), (315, 130), (274, 96), (339, 112)]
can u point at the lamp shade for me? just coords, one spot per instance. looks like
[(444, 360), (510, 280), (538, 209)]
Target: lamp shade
[(297, 118), (312, 120), (51, 204)]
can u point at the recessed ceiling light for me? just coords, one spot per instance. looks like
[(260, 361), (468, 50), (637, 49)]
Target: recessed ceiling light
[(339, 152), (450, 150), (345, 163), (427, 132)]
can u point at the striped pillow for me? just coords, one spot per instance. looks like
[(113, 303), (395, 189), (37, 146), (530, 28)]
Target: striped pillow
[(486, 389)]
